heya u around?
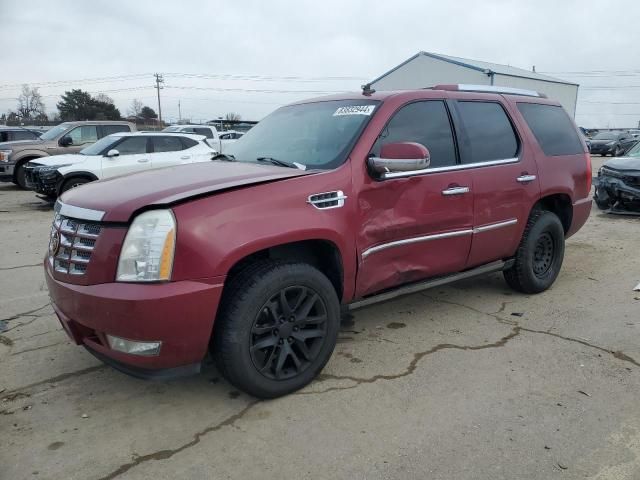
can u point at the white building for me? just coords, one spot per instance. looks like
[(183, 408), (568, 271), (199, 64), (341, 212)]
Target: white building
[(426, 69)]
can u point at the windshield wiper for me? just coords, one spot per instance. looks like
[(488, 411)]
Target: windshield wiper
[(224, 156), (281, 163)]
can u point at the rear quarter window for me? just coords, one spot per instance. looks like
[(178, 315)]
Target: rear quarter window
[(552, 128)]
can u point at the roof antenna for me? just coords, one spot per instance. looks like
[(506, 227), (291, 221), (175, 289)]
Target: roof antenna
[(367, 90)]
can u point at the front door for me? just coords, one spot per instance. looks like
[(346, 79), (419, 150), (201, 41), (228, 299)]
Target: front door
[(505, 179), (81, 137), (133, 157), (418, 225)]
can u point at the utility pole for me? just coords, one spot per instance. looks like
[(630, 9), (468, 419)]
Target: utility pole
[(159, 80), (179, 113)]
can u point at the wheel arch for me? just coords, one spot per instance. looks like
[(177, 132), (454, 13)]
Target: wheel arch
[(559, 204), (27, 157), (322, 253), (71, 175)]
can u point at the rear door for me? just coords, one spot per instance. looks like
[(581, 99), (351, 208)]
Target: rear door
[(417, 224), (504, 177), (133, 157), (168, 151)]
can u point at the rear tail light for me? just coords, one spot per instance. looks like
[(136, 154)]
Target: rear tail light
[(589, 173)]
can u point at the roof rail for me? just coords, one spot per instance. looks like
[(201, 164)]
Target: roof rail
[(461, 87)]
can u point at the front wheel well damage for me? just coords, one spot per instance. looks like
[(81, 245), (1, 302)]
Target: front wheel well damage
[(559, 204), (322, 254)]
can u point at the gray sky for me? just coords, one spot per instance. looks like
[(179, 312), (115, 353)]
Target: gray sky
[(66, 41)]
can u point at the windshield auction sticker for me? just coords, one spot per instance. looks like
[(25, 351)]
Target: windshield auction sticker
[(354, 110)]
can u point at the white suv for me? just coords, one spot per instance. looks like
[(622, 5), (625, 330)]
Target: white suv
[(117, 154)]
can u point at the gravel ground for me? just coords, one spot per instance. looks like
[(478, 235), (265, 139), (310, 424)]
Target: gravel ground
[(470, 381)]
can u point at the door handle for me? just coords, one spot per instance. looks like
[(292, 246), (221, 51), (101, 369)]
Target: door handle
[(143, 160), (185, 157), (455, 191), (526, 178)]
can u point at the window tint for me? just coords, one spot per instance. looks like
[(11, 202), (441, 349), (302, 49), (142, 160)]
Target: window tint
[(132, 146), (204, 131), (188, 142), (426, 123), (167, 144), (4, 136), (83, 135), (552, 128), (490, 133), (109, 129), (24, 135)]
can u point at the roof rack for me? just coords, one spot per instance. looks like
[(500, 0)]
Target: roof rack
[(489, 89)]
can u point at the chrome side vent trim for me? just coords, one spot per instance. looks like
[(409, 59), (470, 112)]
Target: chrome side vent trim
[(327, 200)]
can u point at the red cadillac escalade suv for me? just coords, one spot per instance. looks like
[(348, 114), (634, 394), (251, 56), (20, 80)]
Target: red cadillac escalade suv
[(327, 204)]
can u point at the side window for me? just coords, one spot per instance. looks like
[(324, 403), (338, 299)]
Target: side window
[(24, 135), (188, 142), (489, 130), (132, 146), (83, 135), (167, 144), (426, 123), (4, 136), (109, 129), (552, 128), (204, 131)]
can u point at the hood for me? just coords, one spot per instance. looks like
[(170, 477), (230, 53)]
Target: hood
[(56, 160), (120, 197), (623, 163), (21, 143)]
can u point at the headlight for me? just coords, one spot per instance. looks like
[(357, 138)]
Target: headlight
[(50, 168), (147, 252), (4, 155)]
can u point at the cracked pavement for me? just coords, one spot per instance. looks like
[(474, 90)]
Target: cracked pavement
[(469, 381)]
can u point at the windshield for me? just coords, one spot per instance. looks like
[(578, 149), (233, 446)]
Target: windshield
[(102, 144), (606, 136), (171, 129), (634, 152), (55, 131), (315, 135)]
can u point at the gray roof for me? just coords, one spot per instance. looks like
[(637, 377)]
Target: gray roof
[(486, 67)]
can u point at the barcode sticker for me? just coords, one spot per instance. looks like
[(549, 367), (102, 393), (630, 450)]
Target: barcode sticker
[(354, 110)]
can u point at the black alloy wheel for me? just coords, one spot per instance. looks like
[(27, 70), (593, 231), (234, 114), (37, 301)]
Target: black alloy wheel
[(288, 333), (543, 254)]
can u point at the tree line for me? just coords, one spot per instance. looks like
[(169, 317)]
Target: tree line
[(77, 104)]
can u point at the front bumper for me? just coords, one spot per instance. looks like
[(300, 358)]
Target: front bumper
[(619, 189), (6, 171), (602, 149), (46, 182), (179, 314)]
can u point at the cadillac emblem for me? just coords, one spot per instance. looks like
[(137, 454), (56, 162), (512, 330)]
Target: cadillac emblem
[(54, 243)]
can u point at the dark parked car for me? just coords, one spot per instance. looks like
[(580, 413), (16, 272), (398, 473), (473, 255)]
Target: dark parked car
[(14, 134), (612, 143), (618, 183), (341, 201)]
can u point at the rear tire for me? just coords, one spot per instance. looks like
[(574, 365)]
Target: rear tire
[(539, 257), (277, 327)]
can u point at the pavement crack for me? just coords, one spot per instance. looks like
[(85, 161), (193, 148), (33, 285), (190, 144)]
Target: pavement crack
[(2, 269), (39, 348), (58, 378), (168, 453), (417, 357), (28, 313)]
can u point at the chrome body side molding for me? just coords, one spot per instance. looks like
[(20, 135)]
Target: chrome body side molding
[(408, 241), (493, 226), (451, 168)]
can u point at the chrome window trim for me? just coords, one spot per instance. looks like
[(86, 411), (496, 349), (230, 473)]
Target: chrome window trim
[(462, 166), (408, 241), (493, 226), (78, 212)]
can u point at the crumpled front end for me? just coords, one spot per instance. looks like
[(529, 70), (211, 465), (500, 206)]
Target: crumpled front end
[(43, 179), (618, 191)]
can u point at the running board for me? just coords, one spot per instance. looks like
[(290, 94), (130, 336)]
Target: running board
[(434, 282)]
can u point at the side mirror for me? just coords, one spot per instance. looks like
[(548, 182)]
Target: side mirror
[(400, 159), (66, 141), (112, 153)]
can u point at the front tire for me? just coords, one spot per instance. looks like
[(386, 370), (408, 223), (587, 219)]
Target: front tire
[(73, 183), (539, 257), (277, 327), (19, 178)]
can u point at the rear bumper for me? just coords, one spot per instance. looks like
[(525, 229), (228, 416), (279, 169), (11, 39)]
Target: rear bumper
[(179, 314), (581, 212)]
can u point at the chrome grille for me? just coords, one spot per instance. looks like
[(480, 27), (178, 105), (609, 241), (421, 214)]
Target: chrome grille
[(71, 244)]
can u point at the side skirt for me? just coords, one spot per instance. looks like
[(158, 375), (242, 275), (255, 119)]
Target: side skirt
[(426, 284)]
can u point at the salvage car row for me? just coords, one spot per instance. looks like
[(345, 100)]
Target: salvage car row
[(74, 153)]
